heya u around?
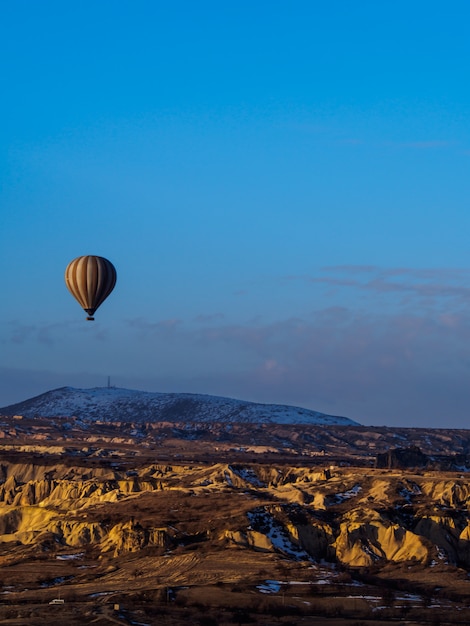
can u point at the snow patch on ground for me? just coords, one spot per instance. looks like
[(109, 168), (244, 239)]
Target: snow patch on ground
[(69, 557), (264, 522), (248, 475), (351, 493), (269, 586)]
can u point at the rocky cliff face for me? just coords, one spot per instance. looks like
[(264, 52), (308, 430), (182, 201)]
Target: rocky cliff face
[(356, 517)]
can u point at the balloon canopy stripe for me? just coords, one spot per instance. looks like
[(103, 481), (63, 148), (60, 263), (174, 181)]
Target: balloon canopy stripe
[(75, 282)]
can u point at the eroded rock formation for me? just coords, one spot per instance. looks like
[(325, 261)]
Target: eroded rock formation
[(357, 517)]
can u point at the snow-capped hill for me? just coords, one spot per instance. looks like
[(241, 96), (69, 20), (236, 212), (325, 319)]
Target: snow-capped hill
[(111, 404)]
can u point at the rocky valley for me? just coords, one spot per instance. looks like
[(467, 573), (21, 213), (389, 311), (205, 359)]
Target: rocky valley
[(222, 522)]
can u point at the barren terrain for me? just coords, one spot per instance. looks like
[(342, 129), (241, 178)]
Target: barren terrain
[(232, 524)]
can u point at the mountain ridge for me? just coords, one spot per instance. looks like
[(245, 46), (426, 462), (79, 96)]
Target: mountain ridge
[(112, 404)]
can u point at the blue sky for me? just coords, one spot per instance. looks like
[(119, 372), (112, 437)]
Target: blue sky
[(283, 189)]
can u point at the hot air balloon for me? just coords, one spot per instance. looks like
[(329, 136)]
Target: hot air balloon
[(90, 280)]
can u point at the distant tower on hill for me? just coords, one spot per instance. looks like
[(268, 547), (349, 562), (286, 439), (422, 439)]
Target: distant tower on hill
[(109, 382)]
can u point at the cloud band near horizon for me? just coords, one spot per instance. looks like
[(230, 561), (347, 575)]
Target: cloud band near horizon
[(405, 364)]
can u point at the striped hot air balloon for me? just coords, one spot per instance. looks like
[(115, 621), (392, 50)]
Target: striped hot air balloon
[(90, 280)]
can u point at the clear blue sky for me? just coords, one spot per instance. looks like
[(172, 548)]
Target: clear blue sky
[(283, 188)]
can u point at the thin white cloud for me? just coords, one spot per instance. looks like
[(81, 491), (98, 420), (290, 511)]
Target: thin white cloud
[(435, 284), (429, 144)]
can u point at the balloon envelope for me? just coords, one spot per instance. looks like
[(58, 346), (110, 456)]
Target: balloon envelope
[(90, 280)]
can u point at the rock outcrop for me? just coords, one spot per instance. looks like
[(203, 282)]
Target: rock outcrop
[(402, 458), (356, 517), (366, 537)]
